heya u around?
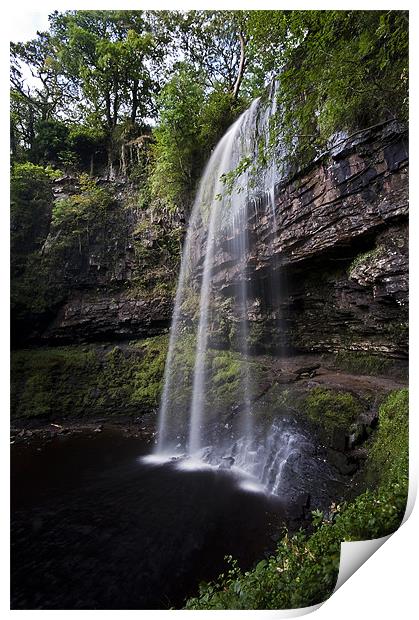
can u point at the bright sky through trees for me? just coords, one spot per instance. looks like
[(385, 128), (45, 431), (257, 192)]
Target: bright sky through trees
[(26, 26)]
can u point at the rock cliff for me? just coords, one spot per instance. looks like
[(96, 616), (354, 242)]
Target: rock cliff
[(111, 276), (339, 255)]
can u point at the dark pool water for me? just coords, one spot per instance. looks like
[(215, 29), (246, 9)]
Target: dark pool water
[(95, 528)]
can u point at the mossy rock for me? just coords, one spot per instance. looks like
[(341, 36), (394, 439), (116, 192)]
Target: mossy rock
[(78, 381), (333, 412), (387, 457)]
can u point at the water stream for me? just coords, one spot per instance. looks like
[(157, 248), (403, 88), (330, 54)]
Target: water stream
[(219, 223)]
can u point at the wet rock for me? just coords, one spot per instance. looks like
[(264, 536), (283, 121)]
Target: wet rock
[(227, 462), (307, 371), (298, 505), (344, 465), (357, 433), (339, 439)]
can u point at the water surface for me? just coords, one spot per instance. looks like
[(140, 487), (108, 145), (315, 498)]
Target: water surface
[(94, 527)]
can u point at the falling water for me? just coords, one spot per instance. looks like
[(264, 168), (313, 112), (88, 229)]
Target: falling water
[(219, 223)]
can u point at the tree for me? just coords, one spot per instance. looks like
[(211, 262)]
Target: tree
[(23, 116), (213, 42), (177, 152), (48, 93), (108, 54)]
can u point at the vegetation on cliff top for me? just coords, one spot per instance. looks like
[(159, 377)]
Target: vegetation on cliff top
[(304, 568), (155, 90)]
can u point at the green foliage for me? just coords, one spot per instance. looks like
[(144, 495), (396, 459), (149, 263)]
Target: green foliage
[(191, 122), (86, 143), (177, 151), (338, 70), (39, 100), (31, 182), (208, 41), (75, 215), (108, 55), (50, 141), (30, 209), (304, 568), (31, 213), (219, 111)]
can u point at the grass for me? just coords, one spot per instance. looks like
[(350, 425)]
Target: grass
[(362, 363)]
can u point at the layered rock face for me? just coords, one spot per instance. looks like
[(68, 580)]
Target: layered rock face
[(336, 255), (113, 280), (332, 272)]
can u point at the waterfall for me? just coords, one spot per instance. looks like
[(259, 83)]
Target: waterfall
[(229, 194)]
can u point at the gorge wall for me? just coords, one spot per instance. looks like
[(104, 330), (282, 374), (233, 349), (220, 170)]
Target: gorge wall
[(340, 255)]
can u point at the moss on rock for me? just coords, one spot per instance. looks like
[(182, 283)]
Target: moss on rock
[(331, 410), (388, 455), (77, 381)]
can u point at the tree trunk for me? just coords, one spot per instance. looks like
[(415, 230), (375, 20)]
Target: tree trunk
[(241, 66), (115, 106), (134, 106), (31, 128), (108, 110)]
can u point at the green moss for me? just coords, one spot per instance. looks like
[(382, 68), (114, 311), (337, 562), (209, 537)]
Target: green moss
[(257, 335), (190, 306), (225, 381), (331, 410), (387, 458), (362, 363), (304, 568), (87, 381), (148, 375), (226, 367), (364, 259)]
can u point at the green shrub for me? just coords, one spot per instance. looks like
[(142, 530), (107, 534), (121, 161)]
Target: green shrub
[(75, 214)]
